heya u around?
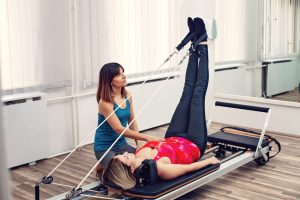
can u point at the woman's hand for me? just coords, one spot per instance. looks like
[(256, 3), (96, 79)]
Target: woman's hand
[(150, 138), (213, 160)]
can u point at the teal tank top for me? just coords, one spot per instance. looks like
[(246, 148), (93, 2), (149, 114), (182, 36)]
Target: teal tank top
[(105, 135)]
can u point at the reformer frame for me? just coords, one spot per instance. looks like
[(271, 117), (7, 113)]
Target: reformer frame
[(241, 157), (234, 161)]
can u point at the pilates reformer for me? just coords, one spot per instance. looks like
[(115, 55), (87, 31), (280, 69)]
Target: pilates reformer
[(243, 148)]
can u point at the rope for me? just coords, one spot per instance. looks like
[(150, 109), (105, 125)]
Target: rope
[(59, 184), (88, 136)]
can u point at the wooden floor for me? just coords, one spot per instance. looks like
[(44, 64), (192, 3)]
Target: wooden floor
[(278, 179), (293, 96)]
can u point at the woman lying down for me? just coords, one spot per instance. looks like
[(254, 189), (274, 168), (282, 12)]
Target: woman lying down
[(186, 138)]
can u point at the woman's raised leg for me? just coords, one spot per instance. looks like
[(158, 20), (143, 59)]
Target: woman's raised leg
[(197, 130), (180, 120)]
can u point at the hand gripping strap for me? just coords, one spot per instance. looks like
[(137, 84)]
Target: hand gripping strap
[(146, 174)]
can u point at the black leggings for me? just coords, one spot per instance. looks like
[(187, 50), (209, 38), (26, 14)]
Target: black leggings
[(188, 120)]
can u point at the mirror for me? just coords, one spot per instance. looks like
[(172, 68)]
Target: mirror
[(257, 51)]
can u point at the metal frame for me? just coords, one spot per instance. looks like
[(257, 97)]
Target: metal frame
[(228, 164), (259, 150), (225, 168), (85, 187)]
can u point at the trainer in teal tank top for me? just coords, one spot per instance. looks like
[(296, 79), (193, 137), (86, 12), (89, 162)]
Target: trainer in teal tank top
[(105, 135)]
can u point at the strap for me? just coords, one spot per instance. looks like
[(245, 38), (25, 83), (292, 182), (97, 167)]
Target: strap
[(247, 131)]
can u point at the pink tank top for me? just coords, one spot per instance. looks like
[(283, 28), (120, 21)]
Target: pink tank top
[(179, 150)]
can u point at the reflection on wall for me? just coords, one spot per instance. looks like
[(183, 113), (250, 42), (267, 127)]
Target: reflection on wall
[(279, 76), (237, 30), (239, 79), (275, 79), (249, 33)]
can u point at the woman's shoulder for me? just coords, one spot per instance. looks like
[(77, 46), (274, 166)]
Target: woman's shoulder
[(105, 104)]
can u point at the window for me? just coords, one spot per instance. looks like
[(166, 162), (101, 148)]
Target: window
[(137, 34), (237, 25), (42, 43), (281, 28), (34, 44)]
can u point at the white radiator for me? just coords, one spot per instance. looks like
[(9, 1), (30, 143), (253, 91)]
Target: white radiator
[(231, 79), (279, 76), (25, 128)]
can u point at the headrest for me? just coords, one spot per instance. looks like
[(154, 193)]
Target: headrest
[(146, 174)]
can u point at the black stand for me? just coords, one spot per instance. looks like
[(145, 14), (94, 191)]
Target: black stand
[(37, 191), (44, 180)]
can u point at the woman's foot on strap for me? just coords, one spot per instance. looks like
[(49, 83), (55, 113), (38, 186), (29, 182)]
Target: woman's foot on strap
[(201, 34)]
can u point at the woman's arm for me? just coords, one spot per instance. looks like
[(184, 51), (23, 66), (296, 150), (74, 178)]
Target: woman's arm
[(134, 125), (106, 108), (171, 171)]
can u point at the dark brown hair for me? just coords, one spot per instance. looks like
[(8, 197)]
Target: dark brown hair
[(106, 75)]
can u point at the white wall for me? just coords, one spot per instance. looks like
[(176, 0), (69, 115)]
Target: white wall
[(237, 23), (4, 188), (245, 80), (35, 43), (60, 126), (297, 65), (284, 115)]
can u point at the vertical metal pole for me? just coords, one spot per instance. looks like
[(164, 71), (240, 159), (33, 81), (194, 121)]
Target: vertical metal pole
[(74, 71), (37, 192), (262, 135)]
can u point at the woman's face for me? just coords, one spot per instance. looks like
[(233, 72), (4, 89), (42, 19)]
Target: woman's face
[(127, 159), (120, 79)]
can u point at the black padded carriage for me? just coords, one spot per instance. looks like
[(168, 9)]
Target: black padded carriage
[(162, 187), (236, 140)]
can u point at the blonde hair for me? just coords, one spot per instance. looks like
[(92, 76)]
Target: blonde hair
[(119, 174)]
